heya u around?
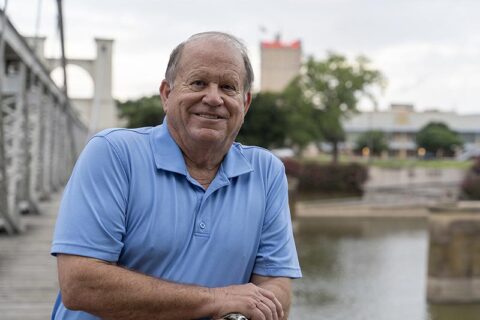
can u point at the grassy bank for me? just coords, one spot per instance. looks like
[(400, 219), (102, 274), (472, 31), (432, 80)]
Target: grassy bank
[(398, 163)]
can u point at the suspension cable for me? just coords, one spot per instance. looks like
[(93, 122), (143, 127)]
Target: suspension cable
[(37, 24), (62, 44)]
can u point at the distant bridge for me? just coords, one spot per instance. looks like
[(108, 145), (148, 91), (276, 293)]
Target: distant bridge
[(41, 134)]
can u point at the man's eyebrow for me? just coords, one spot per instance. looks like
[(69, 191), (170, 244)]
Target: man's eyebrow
[(195, 73), (230, 76)]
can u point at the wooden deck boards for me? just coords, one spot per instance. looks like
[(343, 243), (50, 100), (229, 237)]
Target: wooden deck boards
[(28, 273)]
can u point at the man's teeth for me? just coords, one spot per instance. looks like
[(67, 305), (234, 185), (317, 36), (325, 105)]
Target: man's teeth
[(208, 116)]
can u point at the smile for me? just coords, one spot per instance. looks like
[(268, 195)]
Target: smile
[(209, 116)]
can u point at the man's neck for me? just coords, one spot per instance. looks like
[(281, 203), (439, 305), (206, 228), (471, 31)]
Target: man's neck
[(203, 173)]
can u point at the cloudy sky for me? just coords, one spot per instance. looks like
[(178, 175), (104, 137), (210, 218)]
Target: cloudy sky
[(429, 50)]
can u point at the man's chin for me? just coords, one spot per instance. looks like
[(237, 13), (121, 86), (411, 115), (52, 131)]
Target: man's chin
[(209, 136)]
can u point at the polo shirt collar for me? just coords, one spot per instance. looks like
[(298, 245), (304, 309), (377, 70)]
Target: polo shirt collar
[(169, 157)]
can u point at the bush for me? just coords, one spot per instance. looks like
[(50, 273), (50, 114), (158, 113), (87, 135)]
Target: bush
[(471, 182), (293, 167), (328, 179)]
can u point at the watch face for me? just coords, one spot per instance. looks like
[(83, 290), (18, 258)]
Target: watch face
[(234, 316)]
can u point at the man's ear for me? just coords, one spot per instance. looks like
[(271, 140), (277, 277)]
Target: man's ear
[(164, 93), (247, 102)]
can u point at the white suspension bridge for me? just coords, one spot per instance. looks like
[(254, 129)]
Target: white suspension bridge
[(42, 132)]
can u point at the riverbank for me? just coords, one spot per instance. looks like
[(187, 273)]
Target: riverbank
[(358, 209)]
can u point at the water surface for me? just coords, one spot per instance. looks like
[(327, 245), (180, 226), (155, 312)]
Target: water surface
[(366, 269)]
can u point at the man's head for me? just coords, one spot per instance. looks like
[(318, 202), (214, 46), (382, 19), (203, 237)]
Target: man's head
[(172, 67), (206, 92)]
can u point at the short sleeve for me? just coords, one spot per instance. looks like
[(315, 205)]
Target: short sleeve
[(91, 219), (277, 255)]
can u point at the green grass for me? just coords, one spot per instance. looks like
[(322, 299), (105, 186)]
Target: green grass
[(399, 163)]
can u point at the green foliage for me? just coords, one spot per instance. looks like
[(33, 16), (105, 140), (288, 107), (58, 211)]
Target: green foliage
[(332, 89), (301, 125), (437, 138), (143, 112), (471, 184), (375, 140), (265, 122)]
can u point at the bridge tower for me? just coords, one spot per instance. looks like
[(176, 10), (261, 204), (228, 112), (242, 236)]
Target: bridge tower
[(100, 111)]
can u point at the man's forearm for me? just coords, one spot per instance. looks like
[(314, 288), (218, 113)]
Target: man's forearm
[(112, 292)]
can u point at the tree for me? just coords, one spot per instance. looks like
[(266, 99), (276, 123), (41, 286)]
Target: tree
[(143, 112), (301, 125), (265, 122), (374, 140), (437, 138), (333, 88)]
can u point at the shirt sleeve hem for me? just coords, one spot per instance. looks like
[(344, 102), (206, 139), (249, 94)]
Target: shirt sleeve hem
[(293, 273), (83, 251)]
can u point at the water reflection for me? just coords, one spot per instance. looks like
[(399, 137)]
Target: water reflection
[(366, 269)]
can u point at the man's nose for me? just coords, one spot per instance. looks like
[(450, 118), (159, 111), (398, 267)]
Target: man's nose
[(213, 96)]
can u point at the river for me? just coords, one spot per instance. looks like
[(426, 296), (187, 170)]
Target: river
[(366, 269)]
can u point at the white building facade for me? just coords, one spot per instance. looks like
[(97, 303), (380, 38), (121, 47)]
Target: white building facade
[(401, 123)]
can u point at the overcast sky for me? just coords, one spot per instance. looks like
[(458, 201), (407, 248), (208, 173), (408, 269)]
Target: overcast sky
[(429, 50)]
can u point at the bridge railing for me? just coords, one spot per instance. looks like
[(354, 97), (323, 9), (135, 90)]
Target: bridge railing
[(40, 133)]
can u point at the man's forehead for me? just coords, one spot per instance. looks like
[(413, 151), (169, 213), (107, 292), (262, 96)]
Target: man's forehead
[(213, 48), (204, 53)]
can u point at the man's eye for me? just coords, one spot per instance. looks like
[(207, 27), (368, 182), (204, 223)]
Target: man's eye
[(229, 88), (197, 84)]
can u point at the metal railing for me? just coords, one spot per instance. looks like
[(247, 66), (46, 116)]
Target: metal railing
[(40, 133)]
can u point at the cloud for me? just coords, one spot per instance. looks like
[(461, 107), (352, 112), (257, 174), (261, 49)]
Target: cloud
[(428, 49)]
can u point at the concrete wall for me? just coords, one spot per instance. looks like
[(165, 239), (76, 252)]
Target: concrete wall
[(454, 257)]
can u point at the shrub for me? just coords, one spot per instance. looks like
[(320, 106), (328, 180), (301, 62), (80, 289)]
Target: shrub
[(293, 167), (338, 179), (471, 182)]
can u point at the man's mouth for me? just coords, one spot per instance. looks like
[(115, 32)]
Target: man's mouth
[(209, 116)]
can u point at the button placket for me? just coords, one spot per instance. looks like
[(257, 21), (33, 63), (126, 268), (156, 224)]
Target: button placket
[(201, 224)]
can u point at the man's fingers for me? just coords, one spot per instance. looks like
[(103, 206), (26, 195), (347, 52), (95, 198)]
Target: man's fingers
[(265, 309), (272, 307), (278, 306), (257, 314), (254, 302)]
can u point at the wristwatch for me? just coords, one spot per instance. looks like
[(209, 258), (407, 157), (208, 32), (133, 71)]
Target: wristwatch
[(234, 316)]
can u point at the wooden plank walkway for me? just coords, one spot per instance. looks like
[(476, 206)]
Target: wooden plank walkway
[(28, 273)]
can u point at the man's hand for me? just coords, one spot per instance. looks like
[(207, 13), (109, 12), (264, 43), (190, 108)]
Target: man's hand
[(280, 286), (250, 300)]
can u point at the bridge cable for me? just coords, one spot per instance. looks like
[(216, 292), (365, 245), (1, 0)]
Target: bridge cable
[(62, 45), (37, 24), (67, 106)]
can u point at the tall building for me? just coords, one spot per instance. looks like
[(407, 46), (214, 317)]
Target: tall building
[(280, 63)]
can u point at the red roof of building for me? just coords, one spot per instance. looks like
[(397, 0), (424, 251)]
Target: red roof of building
[(281, 45)]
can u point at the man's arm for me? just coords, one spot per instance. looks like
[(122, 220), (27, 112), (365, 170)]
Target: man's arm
[(279, 286), (112, 292)]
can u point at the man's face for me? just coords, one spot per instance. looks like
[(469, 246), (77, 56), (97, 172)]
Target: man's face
[(207, 103)]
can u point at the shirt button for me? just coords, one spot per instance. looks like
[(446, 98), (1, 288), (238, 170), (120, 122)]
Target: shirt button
[(202, 225)]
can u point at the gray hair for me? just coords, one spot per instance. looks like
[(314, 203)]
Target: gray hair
[(172, 67)]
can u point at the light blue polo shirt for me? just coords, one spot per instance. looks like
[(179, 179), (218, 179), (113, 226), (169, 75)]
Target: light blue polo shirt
[(131, 200)]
